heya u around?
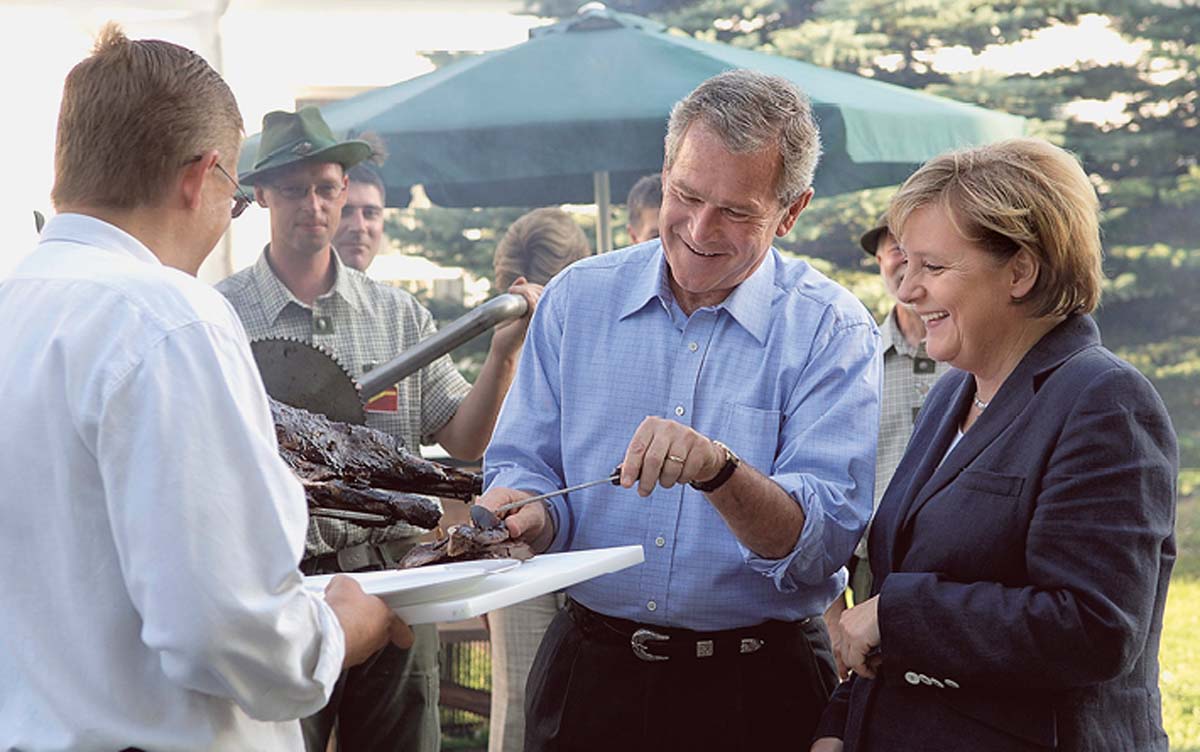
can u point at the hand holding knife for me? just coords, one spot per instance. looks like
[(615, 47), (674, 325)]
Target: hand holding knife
[(486, 519)]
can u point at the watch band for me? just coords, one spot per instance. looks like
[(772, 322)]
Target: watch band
[(726, 472)]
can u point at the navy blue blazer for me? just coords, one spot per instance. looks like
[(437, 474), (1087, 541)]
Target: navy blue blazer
[(1022, 580)]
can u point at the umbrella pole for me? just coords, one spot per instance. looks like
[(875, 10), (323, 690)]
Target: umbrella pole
[(604, 241)]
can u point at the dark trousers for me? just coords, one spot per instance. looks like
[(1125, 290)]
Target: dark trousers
[(587, 690), (389, 703)]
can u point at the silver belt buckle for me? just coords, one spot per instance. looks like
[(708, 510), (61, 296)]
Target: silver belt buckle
[(750, 645), (638, 641)]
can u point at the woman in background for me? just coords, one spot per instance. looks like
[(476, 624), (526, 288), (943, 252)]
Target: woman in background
[(1022, 551)]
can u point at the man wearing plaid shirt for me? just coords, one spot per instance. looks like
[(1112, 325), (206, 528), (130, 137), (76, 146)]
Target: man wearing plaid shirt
[(300, 288)]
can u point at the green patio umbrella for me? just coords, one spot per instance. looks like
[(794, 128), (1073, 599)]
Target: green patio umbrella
[(579, 111)]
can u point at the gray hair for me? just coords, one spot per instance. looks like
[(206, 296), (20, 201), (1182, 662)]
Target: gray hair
[(748, 110)]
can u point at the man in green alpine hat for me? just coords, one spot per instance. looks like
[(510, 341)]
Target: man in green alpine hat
[(290, 138), (300, 288)]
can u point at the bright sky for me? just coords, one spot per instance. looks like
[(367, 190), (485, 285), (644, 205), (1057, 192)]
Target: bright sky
[(1093, 39), (274, 51), (271, 53)]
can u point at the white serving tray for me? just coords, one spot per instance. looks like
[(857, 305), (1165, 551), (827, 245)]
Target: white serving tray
[(404, 587), (542, 574)]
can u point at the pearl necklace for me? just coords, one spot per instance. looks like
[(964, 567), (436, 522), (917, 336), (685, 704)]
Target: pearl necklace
[(980, 403)]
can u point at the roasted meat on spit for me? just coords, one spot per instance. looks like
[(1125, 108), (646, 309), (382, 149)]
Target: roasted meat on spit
[(360, 469)]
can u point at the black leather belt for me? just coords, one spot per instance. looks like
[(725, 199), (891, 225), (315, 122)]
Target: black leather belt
[(364, 557), (651, 642)]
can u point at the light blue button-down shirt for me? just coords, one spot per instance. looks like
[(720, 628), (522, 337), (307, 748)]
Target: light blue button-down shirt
[(785, 371)]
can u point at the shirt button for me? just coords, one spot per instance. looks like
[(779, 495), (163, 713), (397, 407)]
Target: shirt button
[(660, 541), (693, 346), (651, 606), (911, 677), (679, 410), (322, 325)]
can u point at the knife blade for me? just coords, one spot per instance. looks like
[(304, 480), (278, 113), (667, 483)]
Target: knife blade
[(486, 519)]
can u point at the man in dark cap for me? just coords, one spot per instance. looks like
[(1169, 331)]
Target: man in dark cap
[(300, 288)]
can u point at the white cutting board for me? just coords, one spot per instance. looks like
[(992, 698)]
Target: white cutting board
[(542, 574)]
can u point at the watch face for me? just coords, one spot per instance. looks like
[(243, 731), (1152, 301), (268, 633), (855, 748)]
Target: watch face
[(729, 455), (727, 468)]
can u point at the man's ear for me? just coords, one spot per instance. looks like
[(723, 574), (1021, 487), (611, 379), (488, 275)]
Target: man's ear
[(192, 176), (1024, 268), (260, 196), (793, 211)]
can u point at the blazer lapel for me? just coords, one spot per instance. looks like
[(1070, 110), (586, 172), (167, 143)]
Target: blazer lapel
[(1015, 394), (945, 424)]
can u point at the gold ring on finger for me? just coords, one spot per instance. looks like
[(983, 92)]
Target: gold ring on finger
[(674, 458)]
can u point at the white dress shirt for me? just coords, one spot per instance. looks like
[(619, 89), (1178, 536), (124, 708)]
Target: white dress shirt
[(149, 532)]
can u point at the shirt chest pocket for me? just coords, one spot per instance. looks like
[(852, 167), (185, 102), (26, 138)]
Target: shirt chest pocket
[(752, 433)]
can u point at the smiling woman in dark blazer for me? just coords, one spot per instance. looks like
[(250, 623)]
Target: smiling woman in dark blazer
[(1022, 551)]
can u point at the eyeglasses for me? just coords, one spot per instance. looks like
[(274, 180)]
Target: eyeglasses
[(324, 191), (241, 199)]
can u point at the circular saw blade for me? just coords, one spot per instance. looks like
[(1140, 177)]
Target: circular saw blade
[(306, 376)]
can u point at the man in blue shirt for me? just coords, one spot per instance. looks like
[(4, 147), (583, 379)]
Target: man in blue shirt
[(739, 391)]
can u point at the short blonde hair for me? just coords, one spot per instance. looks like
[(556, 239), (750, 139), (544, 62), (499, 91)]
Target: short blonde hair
[(132, 114), (537, 246), (1021, 193)]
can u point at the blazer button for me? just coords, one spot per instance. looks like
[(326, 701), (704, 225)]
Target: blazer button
[(912, 677)]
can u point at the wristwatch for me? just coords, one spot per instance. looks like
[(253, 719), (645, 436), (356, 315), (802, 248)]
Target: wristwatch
[(718, 480)]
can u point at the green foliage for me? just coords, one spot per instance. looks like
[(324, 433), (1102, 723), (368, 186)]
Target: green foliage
[(831, 226), (1179, 662), (744, 22), (452, 237), (1173, 366), (1179, 655)]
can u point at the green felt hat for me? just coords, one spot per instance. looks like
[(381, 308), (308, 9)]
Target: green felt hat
[(303, 136)]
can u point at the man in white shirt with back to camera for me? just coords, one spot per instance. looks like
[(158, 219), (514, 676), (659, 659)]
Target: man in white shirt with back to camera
[(151, 532)]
